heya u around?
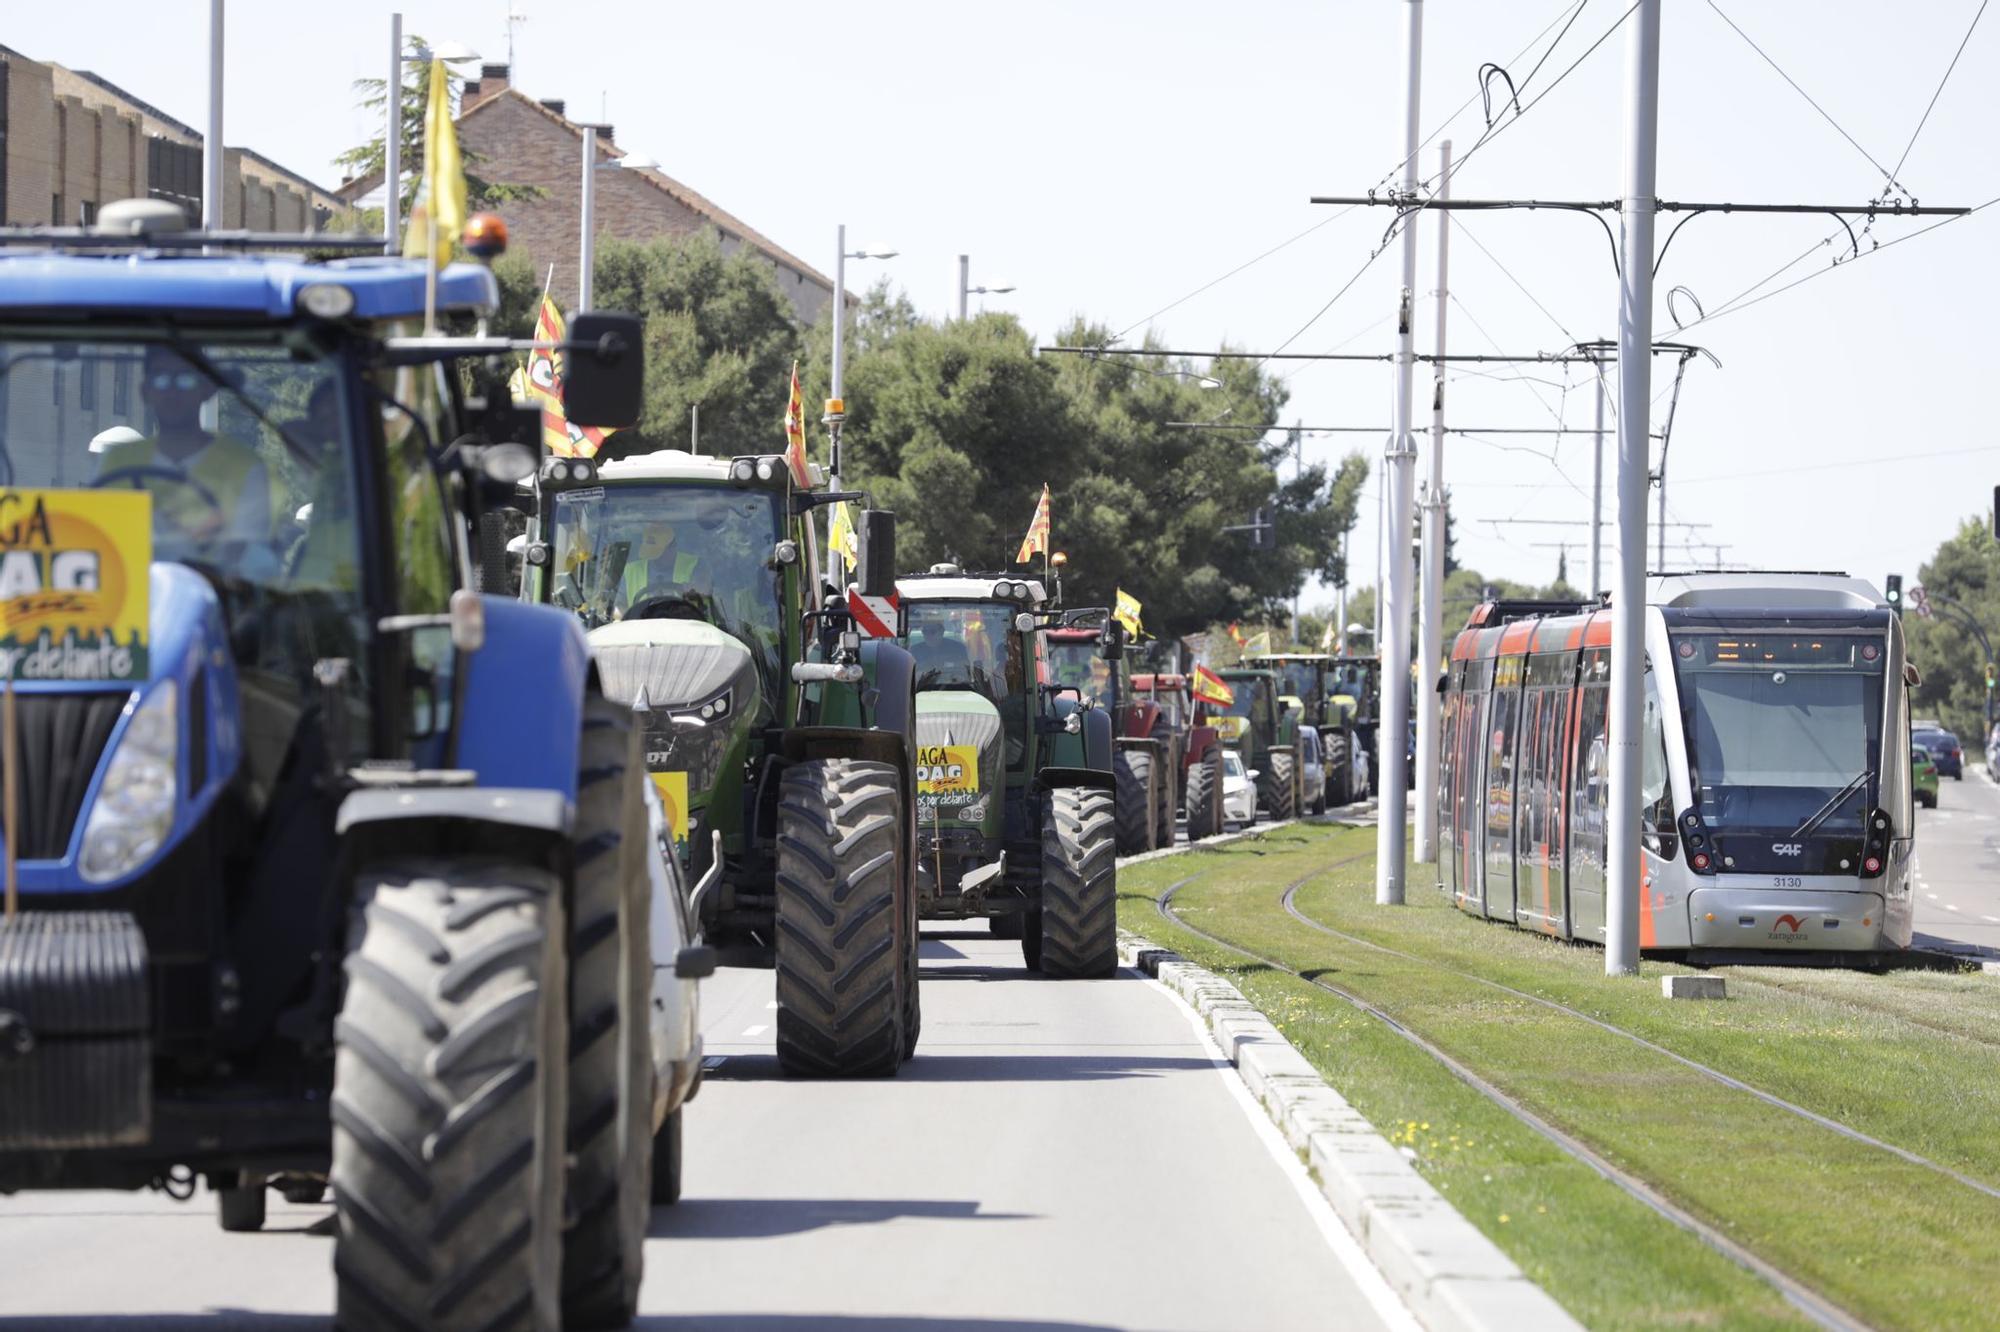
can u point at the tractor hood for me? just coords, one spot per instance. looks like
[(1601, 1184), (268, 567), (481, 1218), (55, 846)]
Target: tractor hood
[(694, 690), (959, 775)]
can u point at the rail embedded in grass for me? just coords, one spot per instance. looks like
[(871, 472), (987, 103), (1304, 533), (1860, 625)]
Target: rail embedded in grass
[(1886, 1237)]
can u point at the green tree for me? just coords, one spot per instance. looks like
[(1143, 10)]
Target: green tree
[(1952, 664), (370, 158)]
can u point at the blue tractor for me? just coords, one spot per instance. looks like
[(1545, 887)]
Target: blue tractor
[(323, 870)]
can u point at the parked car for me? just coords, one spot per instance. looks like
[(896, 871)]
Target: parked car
[(1239, 790), (1923, 777), (1312, 772), (1944, 749)]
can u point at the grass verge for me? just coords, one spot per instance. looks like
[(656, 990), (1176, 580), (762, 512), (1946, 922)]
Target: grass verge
[(1905, 1057)]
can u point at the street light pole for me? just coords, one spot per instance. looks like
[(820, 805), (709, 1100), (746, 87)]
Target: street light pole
[(211, 148), (1391, 836), (964, 283), (392, 139), (1430, 627), (586, 246), (1597, 494), (1628, 601)]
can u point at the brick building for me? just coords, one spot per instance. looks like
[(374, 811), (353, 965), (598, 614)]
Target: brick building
[(515, 139), (71, 141)]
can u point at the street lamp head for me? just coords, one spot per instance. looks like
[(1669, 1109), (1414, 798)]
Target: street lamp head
[(1359, 629), (633, 162)]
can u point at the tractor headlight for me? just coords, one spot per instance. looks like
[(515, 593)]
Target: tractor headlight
[(704, 713), (134, 809)]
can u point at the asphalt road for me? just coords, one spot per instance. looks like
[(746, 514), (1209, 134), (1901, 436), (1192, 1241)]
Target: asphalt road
[(1958, 867), (1060, 1155)]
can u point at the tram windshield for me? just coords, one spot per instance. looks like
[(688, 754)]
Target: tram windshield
[(1781, 725)]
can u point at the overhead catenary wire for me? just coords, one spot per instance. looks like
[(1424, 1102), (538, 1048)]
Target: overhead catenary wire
[(1937, 91)]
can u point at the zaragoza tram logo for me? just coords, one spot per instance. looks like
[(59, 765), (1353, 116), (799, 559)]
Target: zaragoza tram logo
[(73, 571)]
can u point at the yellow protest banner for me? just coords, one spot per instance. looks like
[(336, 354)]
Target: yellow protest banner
[(74, 566), (1127, 612), (673, 789), (947, 769)]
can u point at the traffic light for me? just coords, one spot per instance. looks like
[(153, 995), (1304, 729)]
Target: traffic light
[(1892, 592)]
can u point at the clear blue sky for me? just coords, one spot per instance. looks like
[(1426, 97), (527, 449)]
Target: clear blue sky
[(1110, 158)]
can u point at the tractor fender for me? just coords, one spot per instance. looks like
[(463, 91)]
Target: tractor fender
[(521, 699), (530, 823), (892, 674), (1097, 739), (1098, 779)]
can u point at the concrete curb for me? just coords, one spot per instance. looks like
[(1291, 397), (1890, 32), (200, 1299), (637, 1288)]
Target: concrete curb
[(1451, 1276)]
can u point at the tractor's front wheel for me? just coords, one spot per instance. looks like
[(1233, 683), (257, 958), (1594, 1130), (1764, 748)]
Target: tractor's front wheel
[(1278, 783), (450, 1100), (1079, 915), (610, 1043), (1204, 796), (839, 947), (1133, 777)]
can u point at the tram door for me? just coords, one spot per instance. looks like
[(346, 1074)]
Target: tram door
[(1588, 792), (1470, 781), (1503, 727), (1447, 785), (1538, 829)]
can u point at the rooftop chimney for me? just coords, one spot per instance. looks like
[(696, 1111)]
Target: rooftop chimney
[(554, 104), (492, 79)]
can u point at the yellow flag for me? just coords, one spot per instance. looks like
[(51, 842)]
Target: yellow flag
[(441, 190), (1259, 644), (1127, 613), (842, 537), (1326, 637)]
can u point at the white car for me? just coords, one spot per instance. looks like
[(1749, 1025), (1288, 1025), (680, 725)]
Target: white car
[(675, 1026), (1239, 790)]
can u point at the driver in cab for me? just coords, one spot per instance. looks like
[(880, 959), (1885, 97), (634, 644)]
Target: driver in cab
[(208, 489), (658, 568)]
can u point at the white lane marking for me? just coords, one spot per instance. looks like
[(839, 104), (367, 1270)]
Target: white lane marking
[(1991, 920), (758, 1030), (1949, 907), (1375, 1287), (1932, 896), (772, 1004)]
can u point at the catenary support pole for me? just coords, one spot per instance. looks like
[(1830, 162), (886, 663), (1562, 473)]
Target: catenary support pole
[(1391, 836), (1635, 385), (211, 146), (586, 246), (392, 140), (1597, 494), (964, 283), (1430, 625)]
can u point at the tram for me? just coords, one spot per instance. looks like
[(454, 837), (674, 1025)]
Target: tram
[(1777, 807)]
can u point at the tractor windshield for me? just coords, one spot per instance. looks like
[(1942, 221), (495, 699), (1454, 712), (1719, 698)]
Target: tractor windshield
[(240, 449), (674, 550), (966, 645), (1074, 661)]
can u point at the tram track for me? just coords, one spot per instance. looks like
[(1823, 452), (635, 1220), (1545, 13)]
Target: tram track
[(1809, 1302)]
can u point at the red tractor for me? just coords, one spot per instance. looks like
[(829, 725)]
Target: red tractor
[(1165, 758)]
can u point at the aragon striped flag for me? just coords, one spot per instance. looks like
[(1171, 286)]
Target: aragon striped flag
[(1037, 540), (795, 432), (542, 380)]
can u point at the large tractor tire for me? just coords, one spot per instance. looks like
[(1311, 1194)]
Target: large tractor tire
[(1167, 767), (1204, 796), (1079, 915), (840, 960), (1339, 769), (449, 1099), (610, 1042), (1278, 783), (1133, 776)]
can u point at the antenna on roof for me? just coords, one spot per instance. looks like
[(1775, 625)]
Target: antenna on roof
[(515, 18)]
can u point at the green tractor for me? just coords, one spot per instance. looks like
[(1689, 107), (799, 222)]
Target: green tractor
[(1264, 728), (1145, 754), (1338, 695), (781, 736), (1014, 785)]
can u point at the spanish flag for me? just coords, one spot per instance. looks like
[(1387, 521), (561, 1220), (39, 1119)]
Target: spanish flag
[(441, 191), (1211, 688), (1236, 634), (1037, 539), (1127, 612), (795, 432)]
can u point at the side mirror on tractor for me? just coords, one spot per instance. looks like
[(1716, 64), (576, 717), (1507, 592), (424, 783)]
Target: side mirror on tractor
[(875, 570), (1111, 646), (604, 370)]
